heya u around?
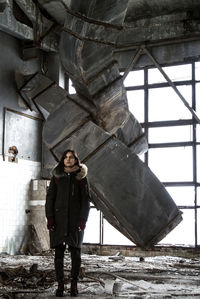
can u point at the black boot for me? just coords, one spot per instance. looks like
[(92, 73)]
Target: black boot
[(60, 289), (73, 289)]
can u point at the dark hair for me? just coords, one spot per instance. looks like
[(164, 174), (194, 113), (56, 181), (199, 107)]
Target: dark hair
[(61, 163)]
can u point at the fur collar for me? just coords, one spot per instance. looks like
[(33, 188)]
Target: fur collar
[(80, 174)]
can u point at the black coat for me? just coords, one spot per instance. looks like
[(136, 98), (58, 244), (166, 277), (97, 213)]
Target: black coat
[(67, 201)]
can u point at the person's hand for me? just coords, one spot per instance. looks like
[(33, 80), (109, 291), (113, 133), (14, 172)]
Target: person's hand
[(81, 224), (50, 223)]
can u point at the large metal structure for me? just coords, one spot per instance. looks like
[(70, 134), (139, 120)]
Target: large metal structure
[(96, 121), (131, 198)]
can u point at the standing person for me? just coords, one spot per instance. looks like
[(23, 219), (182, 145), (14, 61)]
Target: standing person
[(67, 208)]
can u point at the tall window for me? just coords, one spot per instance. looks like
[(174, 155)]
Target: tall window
[(174, 138)]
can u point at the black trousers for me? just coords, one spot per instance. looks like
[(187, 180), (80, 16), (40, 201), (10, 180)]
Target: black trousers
[(59, 262)]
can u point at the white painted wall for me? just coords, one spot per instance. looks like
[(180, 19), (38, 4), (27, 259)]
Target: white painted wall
[(15, 179)]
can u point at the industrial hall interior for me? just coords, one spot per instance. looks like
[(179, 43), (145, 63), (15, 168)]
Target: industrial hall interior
[(100, 149)]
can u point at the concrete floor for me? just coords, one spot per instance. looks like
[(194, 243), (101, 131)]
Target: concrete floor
[(109, 276)]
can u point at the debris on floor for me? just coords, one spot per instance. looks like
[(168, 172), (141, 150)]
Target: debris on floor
[(25, 276)]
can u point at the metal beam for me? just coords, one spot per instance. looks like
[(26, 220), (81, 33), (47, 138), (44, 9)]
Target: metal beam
[(133, 62), (173, 26), (157, 43)]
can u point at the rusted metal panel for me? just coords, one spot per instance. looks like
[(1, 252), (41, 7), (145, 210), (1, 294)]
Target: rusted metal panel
[(130, 195), (51, 98), (36, 85), (65, 120), (87, 139)]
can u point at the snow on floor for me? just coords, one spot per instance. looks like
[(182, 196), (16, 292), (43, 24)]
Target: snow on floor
[(114, 276)]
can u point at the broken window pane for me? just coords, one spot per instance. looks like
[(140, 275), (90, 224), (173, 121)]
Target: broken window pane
[(172, 164), (182, 196), (134, 78), (175, 73), (113, 236), (165, 104), (170, 134), (92, 231), (183, 234), (136, 103)]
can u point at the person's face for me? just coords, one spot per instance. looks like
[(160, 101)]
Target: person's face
[(69, 160)]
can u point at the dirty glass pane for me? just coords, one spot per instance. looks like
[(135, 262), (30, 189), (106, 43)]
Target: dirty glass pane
[(165, 104), (171, 164), (197, 70), (134, 78), (175, 73), (92, 231), (183, 233), (136, 103), (182, 196), (71, 88), (113, 236), (170, 134), (198, 99)]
